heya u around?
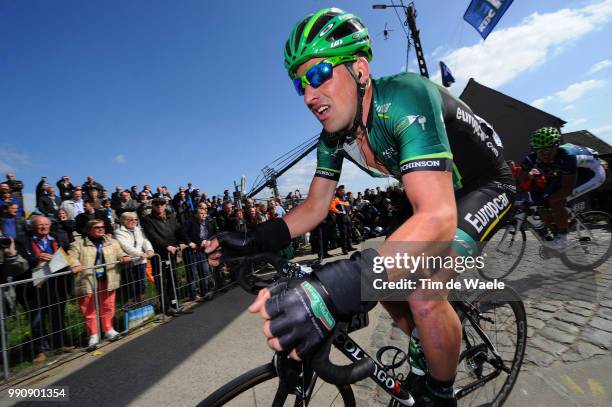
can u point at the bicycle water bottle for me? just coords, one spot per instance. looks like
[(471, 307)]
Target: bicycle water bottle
[(416, 357)]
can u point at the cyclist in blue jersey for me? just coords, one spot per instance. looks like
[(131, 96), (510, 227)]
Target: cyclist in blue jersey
[(449, 161), (570, 171)]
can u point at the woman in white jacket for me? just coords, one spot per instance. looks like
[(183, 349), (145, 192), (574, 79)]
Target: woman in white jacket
[(135, 244)]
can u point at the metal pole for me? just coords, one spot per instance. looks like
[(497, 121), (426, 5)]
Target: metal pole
[(5, 361), (414, 33), (96, 304), (161, 283), (172, 279)]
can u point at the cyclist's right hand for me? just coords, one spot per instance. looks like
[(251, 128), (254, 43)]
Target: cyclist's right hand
[(270, 236), (234, 244)]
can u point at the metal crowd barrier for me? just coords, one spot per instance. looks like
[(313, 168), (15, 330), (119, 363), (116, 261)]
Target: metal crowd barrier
[(192, 276), (47, 319)]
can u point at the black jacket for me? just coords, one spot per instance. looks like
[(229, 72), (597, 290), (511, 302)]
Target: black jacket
[(87, 187), (191, 228), (46, 205), (162, 232), (226, 222), (65, 191), (62, 231)]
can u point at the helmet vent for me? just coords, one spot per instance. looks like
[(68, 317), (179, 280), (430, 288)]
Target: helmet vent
[(298, 34), (345, 29), (319, 24)]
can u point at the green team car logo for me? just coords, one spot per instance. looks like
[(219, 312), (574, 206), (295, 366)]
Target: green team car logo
[(318, 306)]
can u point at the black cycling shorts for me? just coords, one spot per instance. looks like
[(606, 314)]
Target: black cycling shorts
[(480, 209)]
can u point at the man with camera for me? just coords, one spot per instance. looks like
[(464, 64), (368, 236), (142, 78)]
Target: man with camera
[(16, 186)]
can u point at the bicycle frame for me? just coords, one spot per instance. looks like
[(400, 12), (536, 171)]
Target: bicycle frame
[(393, 387)]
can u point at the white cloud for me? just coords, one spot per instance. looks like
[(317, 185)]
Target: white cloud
[(578, 121), (120, 159), (512, 51), (570, 94), (569, 107), (602, 130), (11, 161), (576, 90), (599, 66)]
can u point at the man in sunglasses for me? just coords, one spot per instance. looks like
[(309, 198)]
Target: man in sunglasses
[(569, 170), (449, 161)]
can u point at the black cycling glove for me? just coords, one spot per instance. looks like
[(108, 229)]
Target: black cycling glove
[(270, 236), (303, 312)]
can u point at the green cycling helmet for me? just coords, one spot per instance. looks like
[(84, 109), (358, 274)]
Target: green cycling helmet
[(545, 137), (327, 33)]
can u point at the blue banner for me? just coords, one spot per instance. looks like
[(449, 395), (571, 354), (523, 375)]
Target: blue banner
[(483, 15), (447, 75)]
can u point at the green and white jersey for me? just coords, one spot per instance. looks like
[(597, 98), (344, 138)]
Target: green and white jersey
[(417, 125)]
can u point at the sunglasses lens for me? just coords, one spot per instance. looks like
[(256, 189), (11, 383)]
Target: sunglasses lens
[(316, 76), (319, 74), (297, 82)]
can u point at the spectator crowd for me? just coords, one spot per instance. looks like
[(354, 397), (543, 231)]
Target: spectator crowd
[(113, 239)]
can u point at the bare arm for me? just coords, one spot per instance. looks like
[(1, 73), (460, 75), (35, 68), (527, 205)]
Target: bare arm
[(313, 210), (435, 215)]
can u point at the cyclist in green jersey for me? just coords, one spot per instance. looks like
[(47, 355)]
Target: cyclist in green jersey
[(449, 161)]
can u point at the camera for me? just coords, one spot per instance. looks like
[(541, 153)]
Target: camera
[(5, 242)]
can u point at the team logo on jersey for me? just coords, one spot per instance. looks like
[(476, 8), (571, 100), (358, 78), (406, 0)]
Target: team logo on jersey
[(421, 120)]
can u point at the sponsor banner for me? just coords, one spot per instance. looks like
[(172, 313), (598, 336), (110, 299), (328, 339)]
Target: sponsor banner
[(483, 15)]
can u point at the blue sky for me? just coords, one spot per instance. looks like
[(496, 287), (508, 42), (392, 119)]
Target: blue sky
[(165, 92)]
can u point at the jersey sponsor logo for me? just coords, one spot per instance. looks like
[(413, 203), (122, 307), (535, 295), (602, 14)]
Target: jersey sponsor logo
[(440, 164), (492, 148), (326, 174), (489, 212), (389, 152), (384, 108), (470, 119)]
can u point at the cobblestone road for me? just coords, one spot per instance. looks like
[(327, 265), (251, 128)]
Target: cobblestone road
[(569, 318)]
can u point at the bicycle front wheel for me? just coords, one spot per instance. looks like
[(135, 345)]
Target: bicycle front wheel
[(504, 251), (261, 387), (590, 241), (488, 368)]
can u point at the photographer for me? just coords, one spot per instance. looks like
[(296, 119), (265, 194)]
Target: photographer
[(16, 186), (65, 187)]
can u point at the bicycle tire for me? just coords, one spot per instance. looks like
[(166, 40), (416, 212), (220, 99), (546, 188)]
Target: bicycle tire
[(516, 257), (589, 266), (257, 376), (513, 299)]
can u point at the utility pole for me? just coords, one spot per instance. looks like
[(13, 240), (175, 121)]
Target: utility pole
[(410, 12)]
